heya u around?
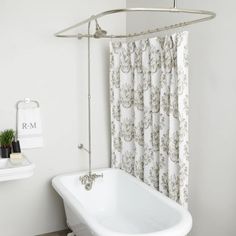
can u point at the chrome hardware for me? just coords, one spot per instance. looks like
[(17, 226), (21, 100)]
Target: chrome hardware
[(81, 146), (205, 16), (175, 4), (99, 31), (89, 179), (80, 36)]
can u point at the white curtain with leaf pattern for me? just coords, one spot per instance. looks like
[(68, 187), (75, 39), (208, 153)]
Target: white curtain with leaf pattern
[(149, 112)]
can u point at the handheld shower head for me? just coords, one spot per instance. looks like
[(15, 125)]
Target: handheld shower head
[(99, 31)]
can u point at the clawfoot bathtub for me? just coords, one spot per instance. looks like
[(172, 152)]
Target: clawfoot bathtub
[(119, 205)]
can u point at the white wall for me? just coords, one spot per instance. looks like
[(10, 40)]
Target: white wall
[(53, 71), (212, 114)]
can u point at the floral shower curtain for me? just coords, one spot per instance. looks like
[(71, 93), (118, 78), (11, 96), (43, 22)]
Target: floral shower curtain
[(149, 112)]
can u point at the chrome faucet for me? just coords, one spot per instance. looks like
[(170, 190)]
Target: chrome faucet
[(89, 179)]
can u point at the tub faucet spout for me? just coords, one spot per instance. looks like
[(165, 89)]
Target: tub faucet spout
[(89, 179)]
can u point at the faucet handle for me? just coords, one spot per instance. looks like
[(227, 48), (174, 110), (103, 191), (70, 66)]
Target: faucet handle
[(88, 180), (98, 176)]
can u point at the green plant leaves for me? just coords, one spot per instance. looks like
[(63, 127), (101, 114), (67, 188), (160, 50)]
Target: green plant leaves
[(6, 137)]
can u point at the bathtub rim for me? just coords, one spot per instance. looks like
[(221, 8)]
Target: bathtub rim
[(183, 226)]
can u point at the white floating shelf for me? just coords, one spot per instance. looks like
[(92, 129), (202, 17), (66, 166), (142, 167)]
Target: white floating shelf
[(9, 171)]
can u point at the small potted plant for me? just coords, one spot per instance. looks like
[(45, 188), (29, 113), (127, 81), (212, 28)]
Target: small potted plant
[(6, 138)]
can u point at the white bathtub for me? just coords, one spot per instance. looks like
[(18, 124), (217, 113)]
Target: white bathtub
[(119, 205)]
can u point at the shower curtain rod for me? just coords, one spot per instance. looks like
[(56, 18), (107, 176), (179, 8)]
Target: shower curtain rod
[(89, 178), (207, 15)]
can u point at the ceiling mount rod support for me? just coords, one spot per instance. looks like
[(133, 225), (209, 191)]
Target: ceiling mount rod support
[(175, 4)]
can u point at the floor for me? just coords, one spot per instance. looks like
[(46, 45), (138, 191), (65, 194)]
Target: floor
[(59, 233)]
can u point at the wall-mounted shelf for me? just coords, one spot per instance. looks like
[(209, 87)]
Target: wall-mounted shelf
[(9, 171)]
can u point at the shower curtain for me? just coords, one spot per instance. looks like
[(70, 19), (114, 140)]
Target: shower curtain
[(149, 112)]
